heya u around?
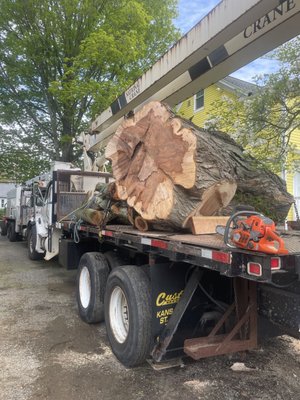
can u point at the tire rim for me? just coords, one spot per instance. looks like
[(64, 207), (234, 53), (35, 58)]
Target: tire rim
[(119, 314), (85, 287)]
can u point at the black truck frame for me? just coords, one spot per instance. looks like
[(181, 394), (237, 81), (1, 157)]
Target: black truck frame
[(203, 295)]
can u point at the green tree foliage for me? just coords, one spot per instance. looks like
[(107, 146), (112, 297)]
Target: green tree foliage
[(63, 61), (265, 122), (21, 158)]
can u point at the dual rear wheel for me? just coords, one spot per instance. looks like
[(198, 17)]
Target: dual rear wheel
[(11, 233), (3, 228), (92, 276), (121, 296)]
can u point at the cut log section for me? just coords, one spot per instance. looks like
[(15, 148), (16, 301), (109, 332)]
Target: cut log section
[(169, 170), (93, 217), (141, 224), (119, 214), (205, 225), (213, 199)]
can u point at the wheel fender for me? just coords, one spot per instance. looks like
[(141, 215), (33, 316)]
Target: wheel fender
[(41, 233)]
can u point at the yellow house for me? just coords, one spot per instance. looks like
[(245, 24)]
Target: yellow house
[(198, 109)]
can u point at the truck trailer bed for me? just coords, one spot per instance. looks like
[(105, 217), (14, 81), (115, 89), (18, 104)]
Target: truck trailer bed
[(213, 241), (208, 251)]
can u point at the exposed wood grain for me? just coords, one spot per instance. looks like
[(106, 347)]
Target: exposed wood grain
[(205, 225), (168, 170)]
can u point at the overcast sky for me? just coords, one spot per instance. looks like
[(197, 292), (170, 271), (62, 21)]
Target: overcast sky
[(192, 11)]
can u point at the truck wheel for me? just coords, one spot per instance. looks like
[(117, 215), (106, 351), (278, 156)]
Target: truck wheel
[(31, 243), (11, 233), (114, 260), (3, 228), (93, 271), (128, 314)]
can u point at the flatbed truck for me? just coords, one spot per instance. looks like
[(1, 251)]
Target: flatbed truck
[(161, 293), (164, 294)]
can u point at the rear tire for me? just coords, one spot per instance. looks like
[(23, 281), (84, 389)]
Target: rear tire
[(114, 260), (128, 314), (3, 228), (31, 243), (11, 233), (93, 271)]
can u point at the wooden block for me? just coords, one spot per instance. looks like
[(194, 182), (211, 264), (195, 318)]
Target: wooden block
[(205, 225)]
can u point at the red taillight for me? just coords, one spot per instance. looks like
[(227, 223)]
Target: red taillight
[(275, 263), (159, 243), (222, 257), (254, 269), (107, 233)]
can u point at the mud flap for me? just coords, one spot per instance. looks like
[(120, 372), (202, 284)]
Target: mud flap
[(52, 243)]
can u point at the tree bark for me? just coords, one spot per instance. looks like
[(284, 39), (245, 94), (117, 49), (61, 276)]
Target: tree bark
[(93, 217), (168, 169), (101, 206)]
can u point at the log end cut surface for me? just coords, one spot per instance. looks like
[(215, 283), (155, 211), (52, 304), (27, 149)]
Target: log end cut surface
[(151, 153)]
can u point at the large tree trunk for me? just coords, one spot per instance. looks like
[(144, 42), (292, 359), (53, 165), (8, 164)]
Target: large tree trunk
[(168, 170)]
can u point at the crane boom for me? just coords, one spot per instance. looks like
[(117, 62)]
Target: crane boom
[(233, 34)]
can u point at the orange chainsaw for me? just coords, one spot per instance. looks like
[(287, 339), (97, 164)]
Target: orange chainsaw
[(251, 230)]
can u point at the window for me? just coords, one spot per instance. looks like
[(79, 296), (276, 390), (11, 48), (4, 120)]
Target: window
[(199, 100), (2, 203)]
